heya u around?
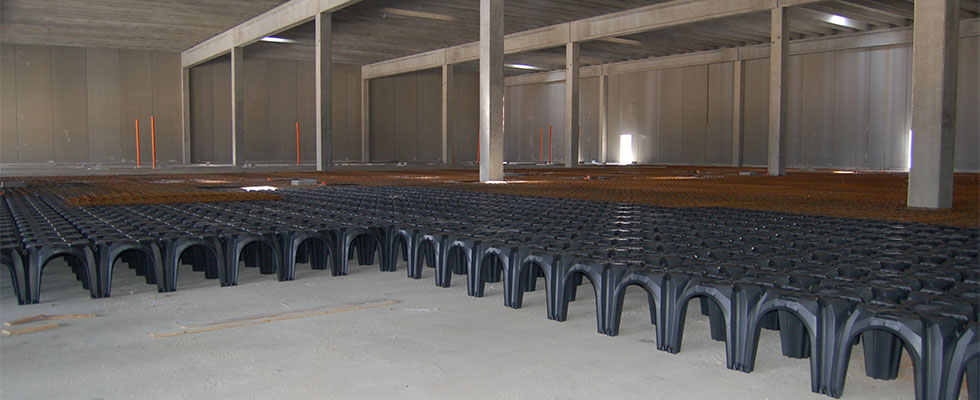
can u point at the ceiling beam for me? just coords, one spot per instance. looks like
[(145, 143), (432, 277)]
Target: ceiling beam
[(283, 17), (882, 38), (733, 31), (519, 42), (669, 14), (637, 20), (834, 20), (900, 8), (864, 11)]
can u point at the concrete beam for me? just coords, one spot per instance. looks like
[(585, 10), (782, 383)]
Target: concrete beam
[(934, 63), (778, 86), (464, 52), (324, 93), (861, 40), (891, 37), (185, 115), (448, 108), (821, 16), (237, 106), (537, 39), (852, 41), (572, 104), (650, 64), (417, 62), (671, 13), (678, 61), (519, 42), (531, 79), (551, 76), (491, 90), (642, 19), (286, 16)]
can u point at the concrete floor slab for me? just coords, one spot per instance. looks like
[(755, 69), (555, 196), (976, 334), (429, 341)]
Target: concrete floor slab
[(434, 343)]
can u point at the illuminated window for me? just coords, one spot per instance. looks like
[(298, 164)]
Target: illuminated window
[(626, 149)]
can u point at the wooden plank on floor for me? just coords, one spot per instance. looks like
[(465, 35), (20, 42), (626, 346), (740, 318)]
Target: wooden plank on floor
[(14, 332), (274, 318), (42, 317)]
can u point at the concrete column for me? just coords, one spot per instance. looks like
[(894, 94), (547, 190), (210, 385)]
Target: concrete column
[(365, 118), (603, 106), (324, 94), (238, 106), (448, 108), (738, 85), (491, 90), (571, 104), (778, 85), (934, 58), (185, 115)]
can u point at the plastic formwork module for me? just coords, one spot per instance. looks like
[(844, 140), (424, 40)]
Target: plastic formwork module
[(964, 362), (262, 249), (298, 245), (569, 273), (142, 255), (526, 271), (14, 260), (926, 337), (823, 283), (680, 290), (652, 281)]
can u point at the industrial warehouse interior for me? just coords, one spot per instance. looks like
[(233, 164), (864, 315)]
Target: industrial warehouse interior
[(486, 199)]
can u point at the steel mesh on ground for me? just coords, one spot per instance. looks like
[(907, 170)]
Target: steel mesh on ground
[(866, 195)]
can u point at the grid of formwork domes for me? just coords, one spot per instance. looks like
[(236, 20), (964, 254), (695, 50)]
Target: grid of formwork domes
[(823, 282)]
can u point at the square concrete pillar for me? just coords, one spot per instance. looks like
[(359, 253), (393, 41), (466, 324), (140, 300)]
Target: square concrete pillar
[(778, 85), (448, 109), (934, 60), (491, 90), (324, 94), (185, 115), (238, 106), (365, 118), (571, 104)]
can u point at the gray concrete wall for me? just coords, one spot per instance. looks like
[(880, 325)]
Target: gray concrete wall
[(968, 97), (851, 109), (79, 105), (278, 94), (406, 113), (532, 109), (847, 109), (464, 137), (406, 117), (676, 116)]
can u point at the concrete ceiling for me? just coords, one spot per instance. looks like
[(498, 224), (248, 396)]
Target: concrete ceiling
[(377, 30), (171, 25)]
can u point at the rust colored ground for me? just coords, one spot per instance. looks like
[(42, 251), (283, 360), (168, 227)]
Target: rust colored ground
[(868, 195), (101, 192)]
